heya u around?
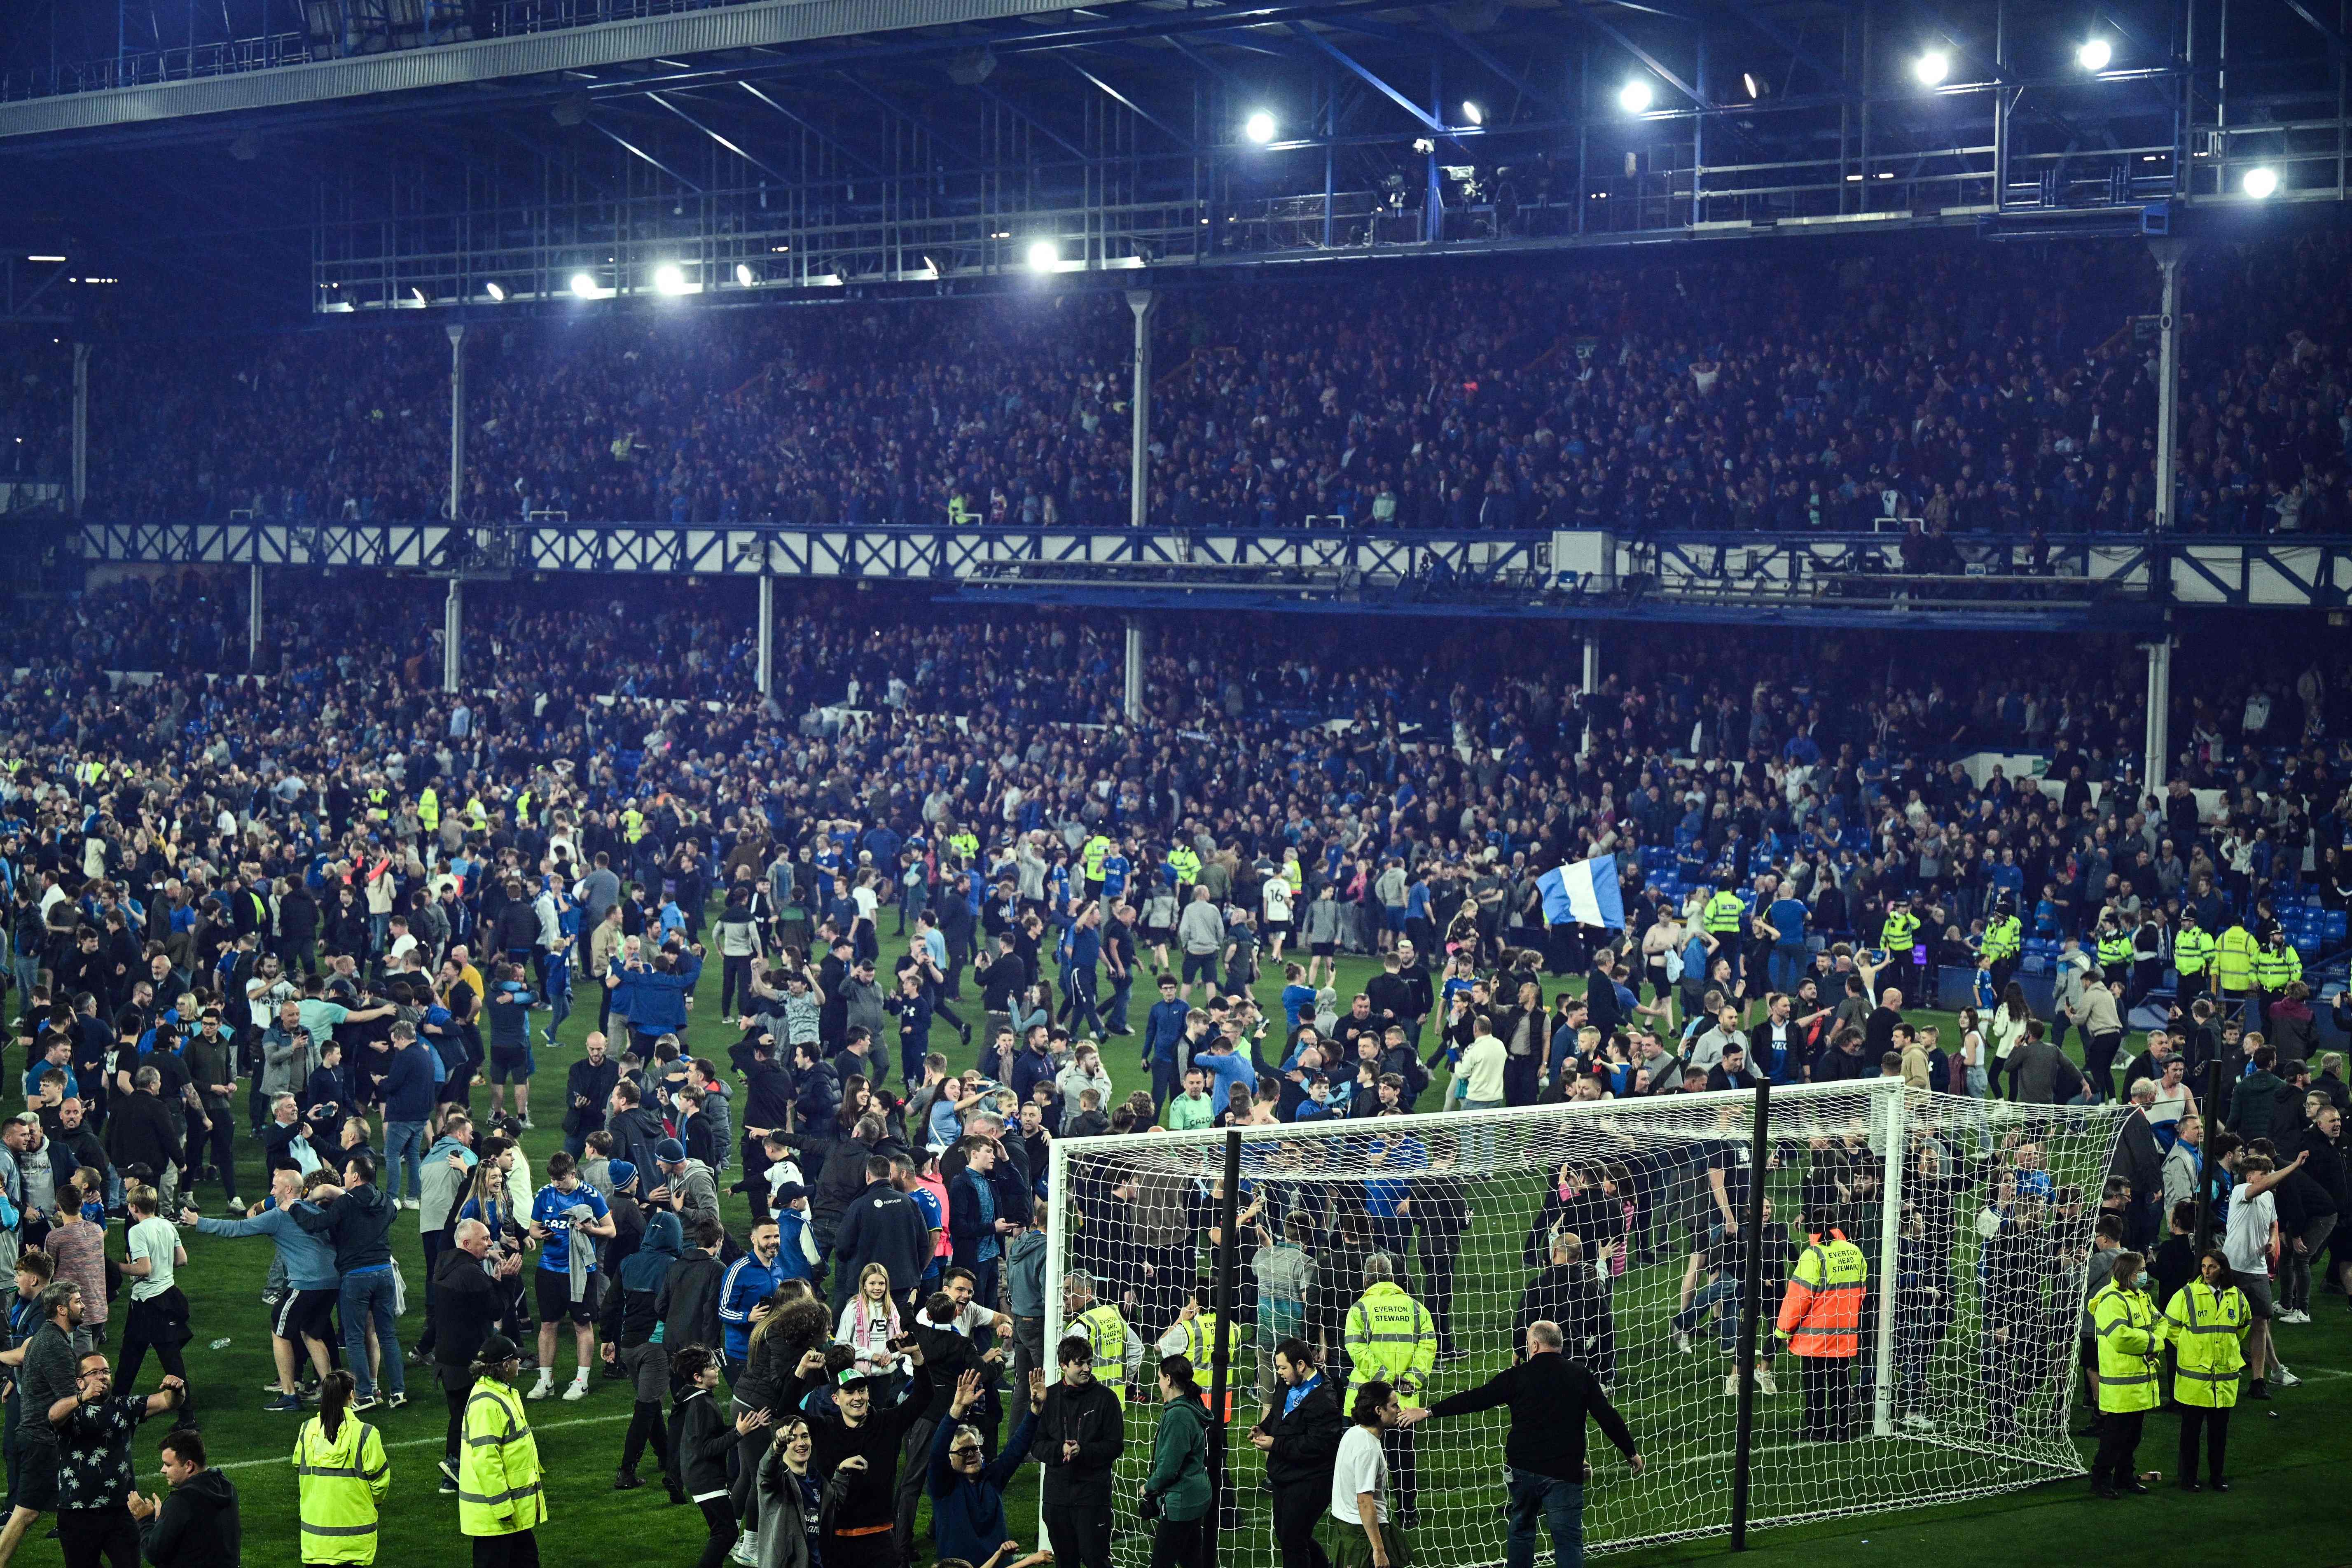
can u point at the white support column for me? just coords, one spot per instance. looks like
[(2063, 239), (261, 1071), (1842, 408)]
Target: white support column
[(1132, 703), (2168, 254), (1142, 301), (456, 331), (1592, 682), (80, 428), (453, 635), (1894, 1131), (2155, 765), (767, 629), (1057, 1243), (253, 617)]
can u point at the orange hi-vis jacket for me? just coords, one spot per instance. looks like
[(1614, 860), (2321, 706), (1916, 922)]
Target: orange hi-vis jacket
[(1821, 1312)]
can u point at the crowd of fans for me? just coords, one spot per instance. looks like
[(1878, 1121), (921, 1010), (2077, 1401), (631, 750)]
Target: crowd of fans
[(2000, 389)]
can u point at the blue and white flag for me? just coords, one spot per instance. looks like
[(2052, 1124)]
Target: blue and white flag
[(1583, 893)]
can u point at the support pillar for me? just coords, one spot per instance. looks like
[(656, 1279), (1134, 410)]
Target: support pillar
[(2159, 717), (1137, 648), (253, 617), (767, 630), (80, 428), (1142, 301), (2168, 254), (457, 421), (453, 635), (1591, 684)]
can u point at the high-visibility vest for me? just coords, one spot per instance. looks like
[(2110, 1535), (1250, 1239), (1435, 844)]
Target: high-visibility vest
[(478, 814), (1390, 1336), (1900, 933), (379, 802), (1186, 863), (633, 824), (2234, 960), (523, 806), (1090, 859), (341, 1479), (1105, 1332), (2115, 947), (2004, 938), (1821, 1310), (966, 846), (428, 810), (1722, 913), (498, 1488), (2192, 951), (2207, 1330), (2123, 1322), (1199, 1334), (2276, 968)]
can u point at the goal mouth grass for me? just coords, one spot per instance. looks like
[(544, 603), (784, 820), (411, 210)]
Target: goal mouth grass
[(1974, 1239)]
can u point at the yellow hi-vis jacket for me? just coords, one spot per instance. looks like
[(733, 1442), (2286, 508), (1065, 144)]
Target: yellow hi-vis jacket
[(499, 1489), (1390, 1337), (2207, 1329), (341, 1480), (2126, 1325)]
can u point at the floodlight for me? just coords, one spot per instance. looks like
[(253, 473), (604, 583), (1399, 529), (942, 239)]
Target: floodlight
[(744, 274), (1634, 96), (2094, 55), (497, 292), (1932, 67), (669, 278), (2261, 183), (1472, 113), (1044, 255), (1259, 127), (584, 285)]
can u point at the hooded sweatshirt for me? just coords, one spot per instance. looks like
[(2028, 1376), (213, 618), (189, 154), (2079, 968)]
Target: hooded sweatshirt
[(633, 1316), (197, 1527)]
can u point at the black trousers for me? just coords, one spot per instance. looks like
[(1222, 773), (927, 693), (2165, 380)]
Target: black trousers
[(160, 1324), (1440, 1250), (2215, 1426), (517, 1550), (645, 1426), (718, 1515), (1296, 1507), (1828, 1382), (1080, 1534), (1404, 1469), (89, 1537), (2119, 1444), (1177, 1543)]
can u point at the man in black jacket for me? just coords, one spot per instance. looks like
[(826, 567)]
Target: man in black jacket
[(141, 1134), (1299, 1434), (196, 1525), (1549, 1398), (1081, 1433), (357, 1217), (767, 1108), (468, 1302), (588, 1094), (881, 1225)]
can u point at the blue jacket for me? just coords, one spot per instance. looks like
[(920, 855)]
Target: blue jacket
[(748, 1283), (309, 1259), (1163, 1030), (792, 1257), (408, 1084), (657, 1002), (968, 1514)]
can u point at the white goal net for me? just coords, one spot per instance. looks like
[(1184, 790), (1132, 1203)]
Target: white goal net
[(1611, 1218)]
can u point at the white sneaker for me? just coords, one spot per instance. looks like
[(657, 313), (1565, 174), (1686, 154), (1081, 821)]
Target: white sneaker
[(1731, 1385), (1764, 1380), (2287, 1379), (576, 1391), (2295, 1315), (1918, 1423), (1682, 1343), (747, 1551), (541, 1389)]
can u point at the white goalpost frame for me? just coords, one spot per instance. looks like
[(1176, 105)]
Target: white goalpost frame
[(1890, 1120)]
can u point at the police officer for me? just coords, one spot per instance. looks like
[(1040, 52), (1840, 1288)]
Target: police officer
[(1118, 1351), (2124, 1323), (2005, 940), (501, 1501), (1721, 919), (1821, 1316), (1390, 1338), (2276, 967), (2115, 950), (1898, 936), (2233, 967), (2206, 1322), (2192, 957)]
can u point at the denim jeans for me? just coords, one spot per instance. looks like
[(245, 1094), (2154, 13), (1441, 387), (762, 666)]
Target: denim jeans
[(404, 1148), (1115, 1010), (1725, 1289), (1560, 1505), (368, 1296)]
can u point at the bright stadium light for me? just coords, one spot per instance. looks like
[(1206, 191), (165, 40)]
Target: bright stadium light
[(1472, 113), (1044, 256), (669, 279), (1634, 96), (1259, 127), (584, 285), (744, 274), (497, 292), (2094, 55), (2261, 183), (1932, 67)]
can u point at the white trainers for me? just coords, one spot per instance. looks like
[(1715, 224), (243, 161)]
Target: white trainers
[(541, 1389), (1731, 1385), (2295, 1315), (1682, 1343), (2287, 1379), (1764, 1380), (747, 1551), (578, 1391), (1918, 1423)]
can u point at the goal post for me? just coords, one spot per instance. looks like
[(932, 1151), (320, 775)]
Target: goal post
[(1627, 1222)]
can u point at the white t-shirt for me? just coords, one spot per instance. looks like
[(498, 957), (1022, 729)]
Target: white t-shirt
[(1361, 1467), (156, 1240), (866, 900), (2247, 1241), (1277, 899)]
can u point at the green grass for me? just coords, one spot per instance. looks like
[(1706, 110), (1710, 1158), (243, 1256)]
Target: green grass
[(2284, 1454)]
